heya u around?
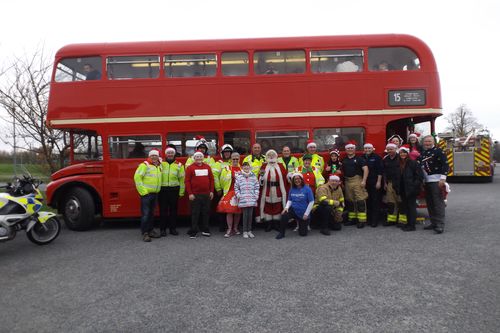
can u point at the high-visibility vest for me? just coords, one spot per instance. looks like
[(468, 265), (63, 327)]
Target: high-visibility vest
[(208, 160), (318, 177), (216, 170), (255, 163), (147, 178), (317, 161), (226, 178), (292, 164), (172, 174)]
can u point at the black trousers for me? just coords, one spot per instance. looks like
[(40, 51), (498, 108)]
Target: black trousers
[(409, 207), (292, 215), (326, 218), (373, 203), (200, 211), (435, 204), (168, 199)]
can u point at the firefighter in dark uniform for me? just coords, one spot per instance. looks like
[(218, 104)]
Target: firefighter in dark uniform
[(355, 174), (392, 175), (373, 183), (435, 166)]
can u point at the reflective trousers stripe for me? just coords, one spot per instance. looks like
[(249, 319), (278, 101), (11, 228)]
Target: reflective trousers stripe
[(391, 218), (362, 217)]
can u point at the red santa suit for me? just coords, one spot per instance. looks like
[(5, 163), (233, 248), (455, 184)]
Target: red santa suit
[(273, 198)]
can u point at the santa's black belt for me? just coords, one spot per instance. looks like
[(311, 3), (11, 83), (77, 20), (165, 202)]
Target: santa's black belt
[(273, 183)]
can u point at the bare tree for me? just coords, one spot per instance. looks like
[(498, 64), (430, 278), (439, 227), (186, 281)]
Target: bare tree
[(462, 121), (24, 94)]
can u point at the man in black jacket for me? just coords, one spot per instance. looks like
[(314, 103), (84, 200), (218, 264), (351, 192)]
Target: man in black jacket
[(373, 183), (435, 166)]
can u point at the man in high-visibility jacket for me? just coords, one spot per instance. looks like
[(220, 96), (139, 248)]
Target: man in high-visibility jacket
[(223, 162), (147, 180), (312, 176), (172, 188), (256, 159), (287, 160), (317, 161), (329, 205), (202, 145)]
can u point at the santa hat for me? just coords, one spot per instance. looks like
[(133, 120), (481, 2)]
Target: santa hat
[(395, 136), (391, 145), (405, 148), (154, 152), (335, 151), (198, 153), (311, 143), (334, 177), (413, 135), (297, 174), (368, 145), (170, 149), (351, 144)]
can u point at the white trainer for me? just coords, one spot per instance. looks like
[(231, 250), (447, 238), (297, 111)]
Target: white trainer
[(250, 234), (245, 234)]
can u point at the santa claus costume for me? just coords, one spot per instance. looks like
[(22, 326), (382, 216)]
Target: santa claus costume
[(273, 183)]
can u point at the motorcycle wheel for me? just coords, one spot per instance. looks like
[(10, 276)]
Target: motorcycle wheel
[(44, 233)]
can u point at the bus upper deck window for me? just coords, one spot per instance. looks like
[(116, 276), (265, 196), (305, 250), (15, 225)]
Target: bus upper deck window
[(279, 62), (234, 63), (133, 67), (78, 69), (189, 65), (392, 59), (330, 61)]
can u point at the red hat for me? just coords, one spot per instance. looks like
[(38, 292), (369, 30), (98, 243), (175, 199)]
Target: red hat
[(351, 144), (405, 148), (199, 137), (154, 152), (198, 152), (311, 143), (334, 151)]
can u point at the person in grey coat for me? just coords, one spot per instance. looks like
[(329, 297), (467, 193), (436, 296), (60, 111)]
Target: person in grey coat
[(247, 188)]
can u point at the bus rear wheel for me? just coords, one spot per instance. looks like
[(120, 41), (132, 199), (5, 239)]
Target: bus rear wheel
[(78, 209)]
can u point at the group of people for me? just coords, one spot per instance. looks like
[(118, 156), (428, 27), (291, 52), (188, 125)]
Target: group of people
[(277, 191)]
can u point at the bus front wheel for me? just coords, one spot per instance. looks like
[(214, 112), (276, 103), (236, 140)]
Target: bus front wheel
[(78, 209)]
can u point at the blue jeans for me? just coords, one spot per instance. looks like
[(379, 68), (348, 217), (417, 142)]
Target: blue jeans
[(148, 203)]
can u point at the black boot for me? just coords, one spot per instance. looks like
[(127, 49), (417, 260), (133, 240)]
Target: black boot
[(409, 228), (269, 226)]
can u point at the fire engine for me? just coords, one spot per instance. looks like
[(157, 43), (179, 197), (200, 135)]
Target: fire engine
[(469, 157)]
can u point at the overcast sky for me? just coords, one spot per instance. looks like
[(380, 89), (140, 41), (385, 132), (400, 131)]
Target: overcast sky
[(464, 35)]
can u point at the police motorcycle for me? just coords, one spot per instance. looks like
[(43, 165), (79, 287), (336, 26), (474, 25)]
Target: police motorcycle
[(20, 210)]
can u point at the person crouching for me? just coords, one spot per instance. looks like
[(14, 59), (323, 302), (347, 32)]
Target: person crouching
[(299, 205), (330, 205)]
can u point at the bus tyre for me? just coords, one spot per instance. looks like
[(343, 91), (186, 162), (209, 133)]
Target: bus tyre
[(44, 233), (78, 209)]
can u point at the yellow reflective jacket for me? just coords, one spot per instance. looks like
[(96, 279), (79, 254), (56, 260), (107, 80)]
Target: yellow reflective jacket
[(172, 174), (226, 178), (208, 160), (147, 178), (255, 163), (317, 161), (292, 164), (216, 170)]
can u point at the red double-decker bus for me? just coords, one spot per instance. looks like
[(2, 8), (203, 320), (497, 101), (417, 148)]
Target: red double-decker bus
[(119, 100)]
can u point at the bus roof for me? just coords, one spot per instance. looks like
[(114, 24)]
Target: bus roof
[(239, 44)]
